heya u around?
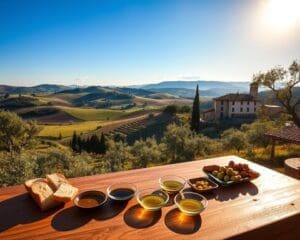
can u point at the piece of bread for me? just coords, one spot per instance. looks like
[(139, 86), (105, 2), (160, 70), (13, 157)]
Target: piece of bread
[(29, 183), (65, 193), (56, 179), (42, 193)]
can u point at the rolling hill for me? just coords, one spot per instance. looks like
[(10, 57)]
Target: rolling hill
[(44, 88)]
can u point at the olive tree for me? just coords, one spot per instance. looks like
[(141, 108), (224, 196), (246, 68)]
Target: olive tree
[(15, 133), (282, 83), (234, 139)]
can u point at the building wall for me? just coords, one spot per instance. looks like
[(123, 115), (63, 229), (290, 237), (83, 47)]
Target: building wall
[(221, 109), (208, 116), (241, 108)]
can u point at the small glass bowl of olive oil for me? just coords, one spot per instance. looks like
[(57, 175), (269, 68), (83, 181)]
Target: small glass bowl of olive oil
[(171, 183), (190, 203), (121, 191), (152, 199)]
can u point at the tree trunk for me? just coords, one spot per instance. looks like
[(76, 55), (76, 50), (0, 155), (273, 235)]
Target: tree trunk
[(296, 119)]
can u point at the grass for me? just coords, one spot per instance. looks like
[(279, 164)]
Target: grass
[(67, 130), (90, 114)]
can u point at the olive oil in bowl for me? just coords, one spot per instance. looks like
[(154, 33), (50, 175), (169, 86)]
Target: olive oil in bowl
[(190, 203), (171, 183), (190, 206), (172, 186), (151, 199)]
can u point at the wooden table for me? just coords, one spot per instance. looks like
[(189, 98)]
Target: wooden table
[(292, 167), (267, 208)]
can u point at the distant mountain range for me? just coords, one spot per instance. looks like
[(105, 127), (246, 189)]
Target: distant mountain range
[(179, 88), (203, 85), (187, 88)]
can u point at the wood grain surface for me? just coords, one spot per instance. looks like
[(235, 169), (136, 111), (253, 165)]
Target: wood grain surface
[(267, 208)]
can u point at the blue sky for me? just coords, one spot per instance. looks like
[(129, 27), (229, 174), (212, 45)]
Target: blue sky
[(122, 42)]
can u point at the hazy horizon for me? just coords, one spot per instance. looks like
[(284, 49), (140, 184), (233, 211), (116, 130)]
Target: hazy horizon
[(134, 42)]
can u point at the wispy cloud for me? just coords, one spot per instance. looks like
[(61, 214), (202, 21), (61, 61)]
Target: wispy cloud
[(190, 77)]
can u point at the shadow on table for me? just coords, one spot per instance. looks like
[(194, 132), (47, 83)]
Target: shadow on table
[(74, 217), (209, 195), (234, 191), (179, 223), (109, 210), (138, 217), (71, 218), (20, 210)]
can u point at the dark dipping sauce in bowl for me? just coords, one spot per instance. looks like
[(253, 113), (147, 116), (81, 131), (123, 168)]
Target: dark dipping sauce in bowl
[(90, 199), (122, 193)]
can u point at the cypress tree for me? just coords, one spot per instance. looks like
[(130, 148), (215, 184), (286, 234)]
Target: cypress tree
[(195, 121), (102, 145), (94, 143), (74, 141), (79, 144)]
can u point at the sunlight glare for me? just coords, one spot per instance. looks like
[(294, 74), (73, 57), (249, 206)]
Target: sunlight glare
[(281, 14)]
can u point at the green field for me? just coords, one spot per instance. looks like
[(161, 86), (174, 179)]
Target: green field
[(67, 130), (91, 114)]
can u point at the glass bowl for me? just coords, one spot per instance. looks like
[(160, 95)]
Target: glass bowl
[(121, 191), (90, 199), (171, 183), (152, 199), (190, 203)]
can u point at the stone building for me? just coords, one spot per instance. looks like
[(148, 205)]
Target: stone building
[(235, 105)]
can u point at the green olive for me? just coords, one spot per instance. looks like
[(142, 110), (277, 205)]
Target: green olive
[(226, 178), (220, 175)]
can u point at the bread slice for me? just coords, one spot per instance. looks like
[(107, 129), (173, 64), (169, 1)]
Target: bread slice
[(56, 179), (29, 183), (66, 192), (42, 193)]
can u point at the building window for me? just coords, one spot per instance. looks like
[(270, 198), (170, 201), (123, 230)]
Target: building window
[(233, 103), (241, 109), (221, 115), (248, 103), (232, 109), (222, 102), (221, 108), (241, 102), (254, 103), (247, 109)]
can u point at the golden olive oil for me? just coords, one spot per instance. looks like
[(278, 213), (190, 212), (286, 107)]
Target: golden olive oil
[(152, 201), (172, 186), (190, 206)]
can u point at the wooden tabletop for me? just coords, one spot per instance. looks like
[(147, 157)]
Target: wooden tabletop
[(267, 208)]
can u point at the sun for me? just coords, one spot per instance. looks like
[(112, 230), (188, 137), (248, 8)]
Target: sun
[(281, 14)]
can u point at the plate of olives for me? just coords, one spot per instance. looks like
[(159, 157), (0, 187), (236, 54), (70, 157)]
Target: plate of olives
[(231, 174)]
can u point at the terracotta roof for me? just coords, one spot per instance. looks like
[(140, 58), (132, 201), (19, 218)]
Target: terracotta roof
[(288, 134), (236, 97)]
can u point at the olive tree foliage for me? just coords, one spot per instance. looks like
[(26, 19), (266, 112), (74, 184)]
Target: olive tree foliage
[(15, 169), (234, 139), (16, 133), (182, 144), (255, 132), (282, 82), (63, 161), (146, 152), (117, 156)]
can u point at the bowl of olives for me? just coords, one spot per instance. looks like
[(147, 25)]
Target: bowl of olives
[(230, 174)]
